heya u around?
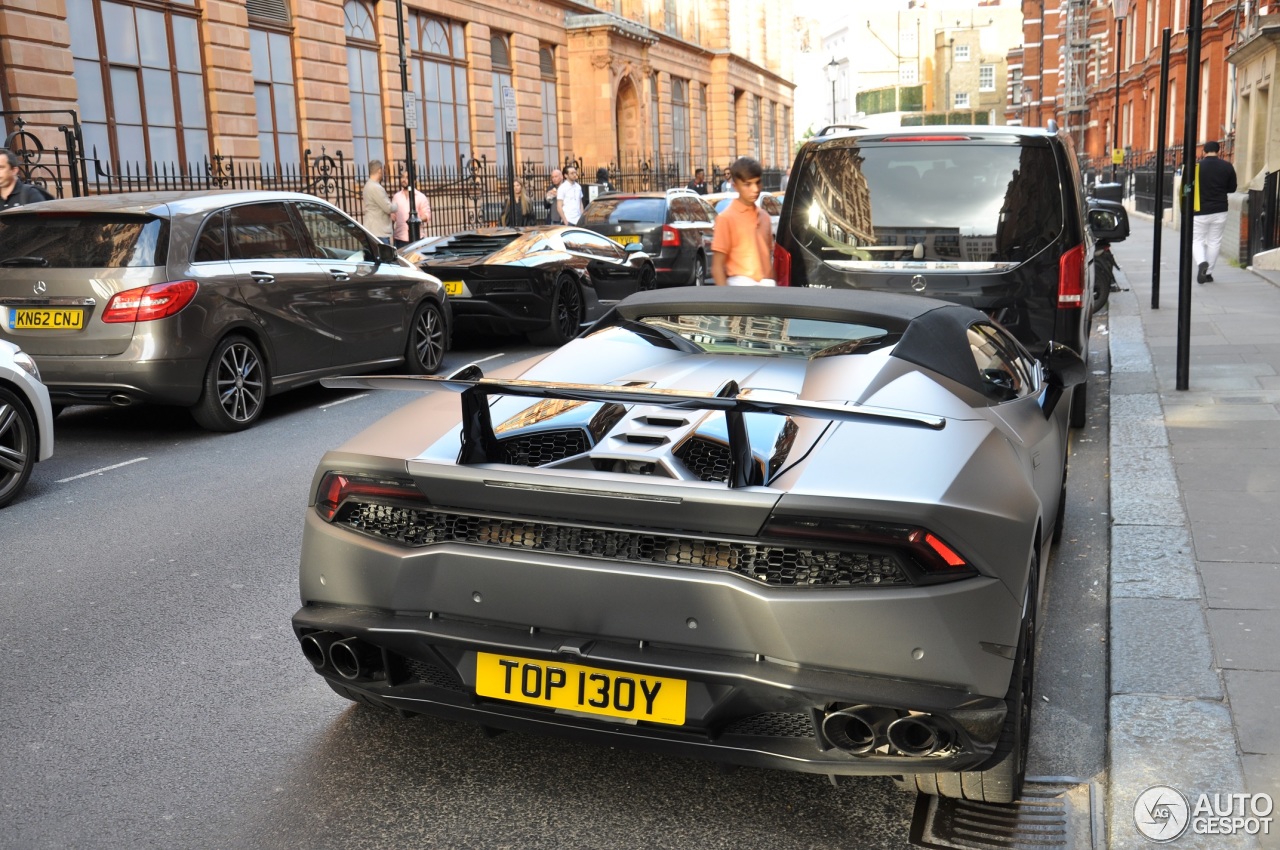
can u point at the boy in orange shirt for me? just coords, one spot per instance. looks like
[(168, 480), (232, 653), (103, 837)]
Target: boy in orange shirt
[(742, 247)]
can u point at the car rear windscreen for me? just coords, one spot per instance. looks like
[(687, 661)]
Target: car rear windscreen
[(773, 336), (622, 210), (959, 202), (82, 240)]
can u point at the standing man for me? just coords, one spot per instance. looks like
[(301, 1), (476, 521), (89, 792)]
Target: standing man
[(742, 247), (699, 181), (377, 206), (400, 212), (14, 191), (726, 185), (549, 200), (1215, 179), (569, 197)]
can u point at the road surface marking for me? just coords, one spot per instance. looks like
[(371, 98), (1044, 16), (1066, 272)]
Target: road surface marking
[(102, 470), (343, 400)]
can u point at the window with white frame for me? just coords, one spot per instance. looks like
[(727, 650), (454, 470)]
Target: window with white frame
[(962, 53), (986, 78), (365, 85), (550, 110), (439, 71), (961, 100), (273, 91), (500, 54), (680, 124)]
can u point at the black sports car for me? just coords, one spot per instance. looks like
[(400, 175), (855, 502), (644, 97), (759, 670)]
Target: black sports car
[(542, 281)]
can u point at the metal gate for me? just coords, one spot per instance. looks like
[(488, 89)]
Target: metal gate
[(60, 171)]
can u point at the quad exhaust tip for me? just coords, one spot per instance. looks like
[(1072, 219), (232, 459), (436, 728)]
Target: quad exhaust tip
[(858, 729), (918, 735), (351, 658)]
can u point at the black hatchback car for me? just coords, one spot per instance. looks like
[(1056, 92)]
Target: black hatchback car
[(990, 217), (674, 228)]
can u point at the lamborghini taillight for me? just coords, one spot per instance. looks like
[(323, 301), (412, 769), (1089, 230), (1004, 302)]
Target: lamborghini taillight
[(927, 556), (337, 487)]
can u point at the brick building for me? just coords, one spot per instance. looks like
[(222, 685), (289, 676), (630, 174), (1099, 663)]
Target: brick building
[(1067, 71), (171, 82)]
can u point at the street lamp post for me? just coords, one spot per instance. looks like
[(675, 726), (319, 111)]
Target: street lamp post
[(833, 72), (1115, 123), (411, 109)]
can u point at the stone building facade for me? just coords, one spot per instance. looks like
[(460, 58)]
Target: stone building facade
[(669, 83)]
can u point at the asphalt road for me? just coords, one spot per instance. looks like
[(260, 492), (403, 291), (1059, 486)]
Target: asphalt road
[(152, 693)]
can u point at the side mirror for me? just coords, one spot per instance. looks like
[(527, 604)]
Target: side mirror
[(1064, 368), (386, 253), (633, 248), (1109, 221)]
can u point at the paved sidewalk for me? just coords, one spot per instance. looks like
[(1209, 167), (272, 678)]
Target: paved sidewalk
[(1195, 565)]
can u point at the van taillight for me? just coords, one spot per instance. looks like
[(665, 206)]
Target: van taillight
[(781, 265), (1071, 278)]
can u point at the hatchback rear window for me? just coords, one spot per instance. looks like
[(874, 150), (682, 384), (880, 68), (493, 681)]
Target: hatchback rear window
[(961, 202), (619, 210), (82, 241)]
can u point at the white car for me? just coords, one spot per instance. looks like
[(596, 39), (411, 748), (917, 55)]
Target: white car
[(26, 420)]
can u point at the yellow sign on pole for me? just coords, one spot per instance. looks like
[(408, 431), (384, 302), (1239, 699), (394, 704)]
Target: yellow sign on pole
[(1117, 156)]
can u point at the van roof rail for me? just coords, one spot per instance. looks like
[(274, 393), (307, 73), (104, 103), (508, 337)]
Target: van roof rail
[(830, 127)]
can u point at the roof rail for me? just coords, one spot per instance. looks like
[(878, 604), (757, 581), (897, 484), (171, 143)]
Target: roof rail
[(1052, 126), (681, 190)]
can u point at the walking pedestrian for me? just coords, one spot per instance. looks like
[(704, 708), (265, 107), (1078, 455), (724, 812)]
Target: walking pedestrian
[(1214, 180), (14, 191), (400, 212), (377, 206), (699, 181), (549, 199), (742, 243), (569, 197)]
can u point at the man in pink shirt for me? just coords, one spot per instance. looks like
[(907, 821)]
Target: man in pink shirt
[(400, 213)]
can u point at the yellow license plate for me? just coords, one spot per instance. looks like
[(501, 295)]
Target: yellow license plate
[(553, 684), (45, 319), (625, 240), (452, 287)]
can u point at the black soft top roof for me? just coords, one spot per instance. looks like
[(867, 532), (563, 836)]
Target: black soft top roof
[(934, 333)]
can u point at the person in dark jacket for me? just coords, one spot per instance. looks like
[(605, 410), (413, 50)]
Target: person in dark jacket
[(1214, 180), (14, 191), (699, 182)]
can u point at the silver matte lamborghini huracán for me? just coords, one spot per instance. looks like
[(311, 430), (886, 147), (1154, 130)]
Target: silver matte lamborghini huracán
[(800, 529)]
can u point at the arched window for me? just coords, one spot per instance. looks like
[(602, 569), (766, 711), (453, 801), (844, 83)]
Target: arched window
[(440, 80), (550, 107), (365, 82), (680, 125)]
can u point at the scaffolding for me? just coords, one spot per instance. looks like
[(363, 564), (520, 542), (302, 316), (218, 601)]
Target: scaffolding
[(1075, 63)]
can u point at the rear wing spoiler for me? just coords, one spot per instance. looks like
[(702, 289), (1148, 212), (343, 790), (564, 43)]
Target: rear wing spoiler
[(480, 443)]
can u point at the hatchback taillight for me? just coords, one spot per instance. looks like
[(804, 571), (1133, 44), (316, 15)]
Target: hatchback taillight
[(336, 487), (670, 237), (1071, 278), (781, 265), (148, 303)]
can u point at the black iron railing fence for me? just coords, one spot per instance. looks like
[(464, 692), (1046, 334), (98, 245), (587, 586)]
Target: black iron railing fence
[(473, 193), (1264, 216)]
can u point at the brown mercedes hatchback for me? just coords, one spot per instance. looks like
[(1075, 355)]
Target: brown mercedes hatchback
[(208, 300)]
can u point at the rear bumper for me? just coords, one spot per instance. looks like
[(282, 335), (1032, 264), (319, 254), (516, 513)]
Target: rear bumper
[(121, 380), (740, 711)]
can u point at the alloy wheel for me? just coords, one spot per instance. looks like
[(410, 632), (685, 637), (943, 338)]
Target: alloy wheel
[(428, 338), (16, 449), (568, 309), (239, 382)]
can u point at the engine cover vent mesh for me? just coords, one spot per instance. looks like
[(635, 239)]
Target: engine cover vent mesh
[(773, 564), (542, 447)]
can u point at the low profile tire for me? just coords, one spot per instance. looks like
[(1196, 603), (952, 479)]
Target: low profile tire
[(566, 314), (648, 279), (17, 446), (698, 276), (1079, 405), (235, 387), (424, 350), (1002, 779)]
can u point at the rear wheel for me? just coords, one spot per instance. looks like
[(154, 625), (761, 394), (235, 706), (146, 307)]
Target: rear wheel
[(17, 446), (648, 279), (698, 276), (1001, 781), (235, 387), (566, 314), (424, 351)]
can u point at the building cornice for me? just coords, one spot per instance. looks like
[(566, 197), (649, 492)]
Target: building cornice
[(1257, 44), (613, 23)]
